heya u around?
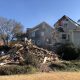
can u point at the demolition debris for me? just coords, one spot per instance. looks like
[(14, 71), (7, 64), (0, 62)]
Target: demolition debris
[(18, 53)]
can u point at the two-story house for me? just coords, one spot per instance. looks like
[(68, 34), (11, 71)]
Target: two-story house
[(41, 34), (66, 30)]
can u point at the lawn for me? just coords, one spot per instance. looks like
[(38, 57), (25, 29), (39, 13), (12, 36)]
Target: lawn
[(45, 76)]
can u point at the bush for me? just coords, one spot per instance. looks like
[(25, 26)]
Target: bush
[(78, 51), (66, 66), (5, 48), (68, 52), (16, 69), (56, 67)]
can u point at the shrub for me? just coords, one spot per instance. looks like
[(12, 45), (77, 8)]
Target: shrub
[(56, 67), (5, 48), (65, 66), (78, 51), (68, 52), (16, 69)]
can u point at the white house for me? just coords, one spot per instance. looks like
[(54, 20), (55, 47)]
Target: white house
[(67, 30)]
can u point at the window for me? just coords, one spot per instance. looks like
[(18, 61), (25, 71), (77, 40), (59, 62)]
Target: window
[(33, 34), (48, 41), (66, 19), (64, 22), (63, 36), (65, 25), (38, 42), (42, 33), (33, 41), (60, 29)]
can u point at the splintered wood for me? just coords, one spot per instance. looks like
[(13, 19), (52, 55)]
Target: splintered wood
[(19, 51)]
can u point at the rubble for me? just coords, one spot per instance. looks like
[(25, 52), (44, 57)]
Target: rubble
[(19, 51)]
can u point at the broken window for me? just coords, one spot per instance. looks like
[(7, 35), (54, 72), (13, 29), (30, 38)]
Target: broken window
[(60, 29), (64, 36)]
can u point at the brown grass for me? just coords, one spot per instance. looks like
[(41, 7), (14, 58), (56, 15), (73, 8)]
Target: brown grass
[(45, 76)]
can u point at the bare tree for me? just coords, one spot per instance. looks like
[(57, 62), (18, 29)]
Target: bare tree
[(9, 29)]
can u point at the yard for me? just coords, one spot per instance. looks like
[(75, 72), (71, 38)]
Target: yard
[(45, 76)]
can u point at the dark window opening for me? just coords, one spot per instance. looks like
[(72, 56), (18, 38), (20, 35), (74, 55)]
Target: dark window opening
[(60, 29), (63, 36)]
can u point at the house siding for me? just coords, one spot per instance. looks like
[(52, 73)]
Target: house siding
[(43, 35), (75, 37), (70, 25)]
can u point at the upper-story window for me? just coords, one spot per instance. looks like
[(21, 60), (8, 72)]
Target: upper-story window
[(60, 29), (42, 33), (66, 19), (33, 34), (65, 25), (64, 22)]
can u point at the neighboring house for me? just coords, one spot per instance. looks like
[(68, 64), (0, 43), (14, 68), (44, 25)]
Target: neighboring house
[(41, 34), (66, 30)]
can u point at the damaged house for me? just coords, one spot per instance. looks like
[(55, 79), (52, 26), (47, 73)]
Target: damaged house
[(67, 31), (41, 35)]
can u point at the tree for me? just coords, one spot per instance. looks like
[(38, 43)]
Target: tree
[(21, 36), (9, 29)]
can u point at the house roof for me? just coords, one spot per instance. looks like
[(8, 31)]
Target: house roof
[(40, 25), (72, 21)]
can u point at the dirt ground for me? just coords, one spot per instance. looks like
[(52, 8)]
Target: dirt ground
[(45, 76)]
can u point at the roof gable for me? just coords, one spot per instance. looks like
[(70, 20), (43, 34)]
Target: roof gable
[(41, 26), (69, 19)]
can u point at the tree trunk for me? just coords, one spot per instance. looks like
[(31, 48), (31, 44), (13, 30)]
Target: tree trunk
[(7, 42), (4, 41)]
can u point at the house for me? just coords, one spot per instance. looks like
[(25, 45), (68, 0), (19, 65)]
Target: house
[(41, 34), (66, 30)]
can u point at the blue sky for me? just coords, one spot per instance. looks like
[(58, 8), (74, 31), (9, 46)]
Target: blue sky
[(33, 12)]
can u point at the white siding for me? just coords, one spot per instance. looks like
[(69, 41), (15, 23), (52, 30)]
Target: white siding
[(75, 38)]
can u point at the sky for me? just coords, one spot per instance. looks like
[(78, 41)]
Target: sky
[(32, 12)]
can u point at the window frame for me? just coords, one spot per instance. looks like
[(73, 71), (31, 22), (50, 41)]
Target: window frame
[(64, 36)]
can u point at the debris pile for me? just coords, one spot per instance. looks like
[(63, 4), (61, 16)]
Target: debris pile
[(19, 51)]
